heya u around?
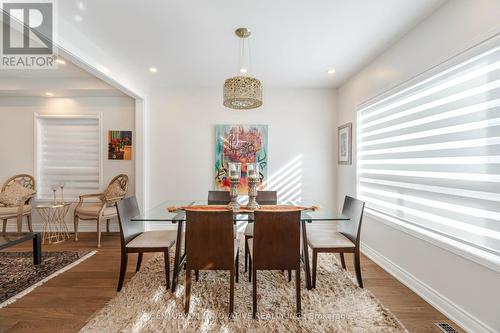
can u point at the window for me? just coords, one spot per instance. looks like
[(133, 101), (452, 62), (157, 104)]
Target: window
[(68, 150), (429, 154)]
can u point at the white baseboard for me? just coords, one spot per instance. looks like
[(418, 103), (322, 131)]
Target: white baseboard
[(455, 313)]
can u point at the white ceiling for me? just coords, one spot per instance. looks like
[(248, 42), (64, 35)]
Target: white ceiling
[(294, 42)]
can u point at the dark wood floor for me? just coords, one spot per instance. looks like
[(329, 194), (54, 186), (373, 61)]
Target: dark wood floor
[(67, 301)]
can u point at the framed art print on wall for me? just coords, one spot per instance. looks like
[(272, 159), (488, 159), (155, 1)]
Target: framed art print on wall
[(345, 144)]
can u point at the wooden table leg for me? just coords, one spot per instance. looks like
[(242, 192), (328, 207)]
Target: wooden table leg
[(177, 258), (37, 249), (305, 255)]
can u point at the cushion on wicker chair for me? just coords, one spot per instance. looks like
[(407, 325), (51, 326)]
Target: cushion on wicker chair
[(93, 211), (12, 211), (15, 195)]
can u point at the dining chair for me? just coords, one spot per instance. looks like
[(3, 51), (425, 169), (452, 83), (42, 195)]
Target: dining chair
[(344, 239), (134, 239), (275, 246), (210, 245), (218, 197), (103, 208), (263, 198)]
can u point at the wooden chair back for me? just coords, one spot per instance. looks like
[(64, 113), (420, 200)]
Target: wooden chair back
[(353, 209), (209, 240), (276, 240), (127, 209), (267, 197), (218, 197)]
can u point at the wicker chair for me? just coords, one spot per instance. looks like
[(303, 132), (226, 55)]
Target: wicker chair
[(98, 211), (22, 210)]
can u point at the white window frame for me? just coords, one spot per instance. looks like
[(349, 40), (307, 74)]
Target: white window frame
[(36, 134), (451, 244)]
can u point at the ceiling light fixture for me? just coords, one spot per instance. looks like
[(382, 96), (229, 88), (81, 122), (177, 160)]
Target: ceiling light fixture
[(243, 92), (81, 6), (331, 71), (49, 94), (153, 69)]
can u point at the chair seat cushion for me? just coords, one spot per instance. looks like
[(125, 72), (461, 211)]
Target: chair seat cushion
[(321, 239), (12, 211), (249, 230), (93, 211), (153, 239)]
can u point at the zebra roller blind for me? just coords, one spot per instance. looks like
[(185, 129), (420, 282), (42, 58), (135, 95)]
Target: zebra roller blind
[(429, 154), (68, 152)]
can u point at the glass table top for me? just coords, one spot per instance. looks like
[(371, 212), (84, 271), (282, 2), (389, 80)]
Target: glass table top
[(161, 213), (12, 238)]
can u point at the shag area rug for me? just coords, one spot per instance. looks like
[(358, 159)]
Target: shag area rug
[(19, 275), (336, 305)]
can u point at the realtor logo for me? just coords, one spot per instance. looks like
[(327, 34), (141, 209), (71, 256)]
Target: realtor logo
[(27, 35)]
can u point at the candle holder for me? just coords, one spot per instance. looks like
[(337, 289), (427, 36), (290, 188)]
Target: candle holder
[(234, 178), (253, 180)]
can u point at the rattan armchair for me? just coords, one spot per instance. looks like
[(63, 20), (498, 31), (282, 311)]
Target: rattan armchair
[(23, 209), (104, 209)]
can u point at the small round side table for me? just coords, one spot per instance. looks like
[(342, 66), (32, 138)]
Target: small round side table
[(54, 229)]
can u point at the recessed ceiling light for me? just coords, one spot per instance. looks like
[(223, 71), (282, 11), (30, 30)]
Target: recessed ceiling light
[(49, 94), (61, 61), (153, 69), (331, 71), (243, 70), (81, 6)]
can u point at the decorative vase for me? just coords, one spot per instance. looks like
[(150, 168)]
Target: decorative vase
[(253, 181), (234, 177)]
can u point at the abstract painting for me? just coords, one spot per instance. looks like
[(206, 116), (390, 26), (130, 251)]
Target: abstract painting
[(239, 143), (120, 145)]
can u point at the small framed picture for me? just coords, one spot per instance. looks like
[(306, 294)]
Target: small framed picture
[(345, 144)]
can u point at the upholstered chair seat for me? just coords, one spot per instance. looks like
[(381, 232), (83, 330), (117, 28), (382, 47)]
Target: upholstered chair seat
[(93, 210), (9, 211), (153, 239), (328, 239)]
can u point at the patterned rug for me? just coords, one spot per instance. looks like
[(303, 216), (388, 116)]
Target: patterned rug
[(19, 276), (336, 305)]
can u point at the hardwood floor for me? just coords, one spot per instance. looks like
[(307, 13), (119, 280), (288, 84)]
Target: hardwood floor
[(66, 302)]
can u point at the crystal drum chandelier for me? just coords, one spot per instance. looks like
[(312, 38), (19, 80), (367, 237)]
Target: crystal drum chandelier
[(243, 92)]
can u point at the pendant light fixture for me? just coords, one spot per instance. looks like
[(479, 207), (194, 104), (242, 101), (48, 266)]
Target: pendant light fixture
[(243, 92)]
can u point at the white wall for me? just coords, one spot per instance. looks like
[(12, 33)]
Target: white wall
[(182, 139), (17, 131), (464, 290)]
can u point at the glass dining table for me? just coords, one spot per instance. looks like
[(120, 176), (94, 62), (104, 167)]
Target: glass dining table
[(171, 212)]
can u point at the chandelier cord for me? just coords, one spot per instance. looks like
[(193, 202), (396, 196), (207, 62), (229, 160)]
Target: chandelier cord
[(242, 54), (249, 57)]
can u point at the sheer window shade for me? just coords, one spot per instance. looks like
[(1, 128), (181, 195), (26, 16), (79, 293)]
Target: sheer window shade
[(68, 151), (430, 154)]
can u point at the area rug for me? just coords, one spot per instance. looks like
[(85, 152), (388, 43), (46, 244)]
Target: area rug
[(19, 276), (336, 305)]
